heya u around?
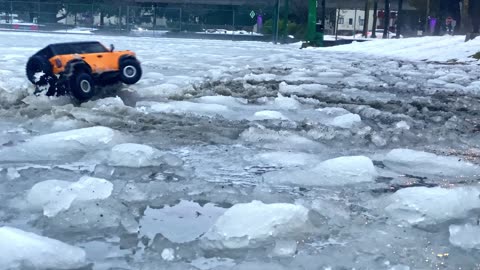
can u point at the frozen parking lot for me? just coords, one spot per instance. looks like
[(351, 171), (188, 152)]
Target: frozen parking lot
[(244, 156)]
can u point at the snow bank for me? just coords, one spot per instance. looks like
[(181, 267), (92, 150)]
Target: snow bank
[(25, 250), (429, 206), (249, 224), (423, 48), (465, 236), (423, 163), (61, 145), (333, 172), (55, 196)]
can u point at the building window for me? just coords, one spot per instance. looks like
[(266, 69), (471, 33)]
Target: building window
[(350, 21), (361, 21), (340, 20)]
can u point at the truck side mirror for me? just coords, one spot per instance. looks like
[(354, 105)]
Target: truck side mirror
[(112, 48)]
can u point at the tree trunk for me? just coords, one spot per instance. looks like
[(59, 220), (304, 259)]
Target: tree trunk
[(399, 18), (386, 19), (375, 17), (367, 17), (102, 18)]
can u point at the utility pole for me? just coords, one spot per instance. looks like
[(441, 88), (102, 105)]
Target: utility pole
[(386, 19), (375, 17), (399, 18)]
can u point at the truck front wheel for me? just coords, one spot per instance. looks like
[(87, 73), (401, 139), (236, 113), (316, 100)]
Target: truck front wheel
[(82, 86), (130, 71)]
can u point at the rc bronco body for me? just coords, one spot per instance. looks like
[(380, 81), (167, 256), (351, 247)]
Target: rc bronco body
[(78, 66)]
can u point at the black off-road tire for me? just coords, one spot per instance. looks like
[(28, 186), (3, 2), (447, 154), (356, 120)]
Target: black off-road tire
[(130, 71), (37, 64), (82, 86)]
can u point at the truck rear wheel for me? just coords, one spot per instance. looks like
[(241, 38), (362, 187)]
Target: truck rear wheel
[(82, 86), (130, 71)]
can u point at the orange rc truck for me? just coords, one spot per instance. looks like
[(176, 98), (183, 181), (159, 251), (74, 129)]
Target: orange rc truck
[(78, 66)]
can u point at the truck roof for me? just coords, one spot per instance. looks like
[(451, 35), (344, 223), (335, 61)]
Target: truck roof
[(82, 47)]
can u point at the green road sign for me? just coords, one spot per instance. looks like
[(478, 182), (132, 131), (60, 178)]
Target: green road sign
[(252, 14)]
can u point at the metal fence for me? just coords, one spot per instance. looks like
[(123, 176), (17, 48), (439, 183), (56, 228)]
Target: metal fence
[(135, 20)]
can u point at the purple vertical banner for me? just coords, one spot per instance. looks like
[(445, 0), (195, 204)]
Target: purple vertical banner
[(433, 22), (259, 23)]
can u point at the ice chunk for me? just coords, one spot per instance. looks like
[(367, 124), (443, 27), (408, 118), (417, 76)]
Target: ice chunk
[(333, 111), (12, 174), (333, 172), (423, 163), (428, 206), (25, 250), (183, 107), (213, 263), (165, 90), (346, 120), (465, 236), (168, 254), (303, 89), (134, 155), (55, 196), (279, 140), (402, 125), (249, 224), (286, 103), (104, 104), (62, 145), (284, 248), (264, 115)]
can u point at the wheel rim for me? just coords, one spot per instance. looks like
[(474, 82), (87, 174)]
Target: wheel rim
[(129, 71), (85, 86)]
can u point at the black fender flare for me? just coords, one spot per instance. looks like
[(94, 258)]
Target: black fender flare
[(125, 57), (77, 65)]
